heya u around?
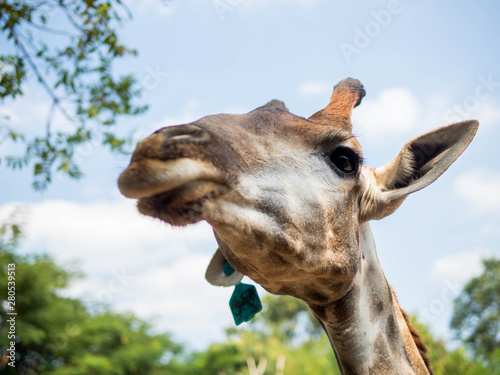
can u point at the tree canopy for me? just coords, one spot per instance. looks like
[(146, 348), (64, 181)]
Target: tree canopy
[(476, 315), (69, 48)]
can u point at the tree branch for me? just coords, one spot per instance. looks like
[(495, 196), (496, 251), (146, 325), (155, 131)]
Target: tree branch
[(69, 16), (51, 30), (55, 99), (49, 120)]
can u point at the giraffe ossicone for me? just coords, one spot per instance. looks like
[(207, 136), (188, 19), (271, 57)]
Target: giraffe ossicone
[(290, 201)]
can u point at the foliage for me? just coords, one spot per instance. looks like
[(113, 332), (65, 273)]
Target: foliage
[(68, 47), (445, 361), (58, 335), (288, 318), (286, 328), (223, 358), (283, 329), (476, 316)]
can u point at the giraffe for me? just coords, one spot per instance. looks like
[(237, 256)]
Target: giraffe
[(290, 202)]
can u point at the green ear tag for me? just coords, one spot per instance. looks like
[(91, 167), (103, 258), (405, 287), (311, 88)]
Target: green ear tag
[(244, 303)]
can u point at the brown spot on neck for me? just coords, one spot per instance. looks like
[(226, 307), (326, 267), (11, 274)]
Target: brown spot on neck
[(337, 312), (348, 304), (315, 296), (341, 311), (391, 330)]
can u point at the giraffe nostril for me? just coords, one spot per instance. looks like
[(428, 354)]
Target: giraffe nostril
[(182, 132)]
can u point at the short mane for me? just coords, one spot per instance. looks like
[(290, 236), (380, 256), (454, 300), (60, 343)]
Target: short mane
[(422, 349)]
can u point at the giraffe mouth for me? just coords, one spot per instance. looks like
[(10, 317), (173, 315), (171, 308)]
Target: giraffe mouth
[(174, 191), (182, 205), (148, 177)]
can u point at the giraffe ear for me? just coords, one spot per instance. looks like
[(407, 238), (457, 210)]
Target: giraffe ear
[(419, 163), (215, 272)]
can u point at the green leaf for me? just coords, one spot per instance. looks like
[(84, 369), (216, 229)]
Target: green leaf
[(38, 169), (76, 69)]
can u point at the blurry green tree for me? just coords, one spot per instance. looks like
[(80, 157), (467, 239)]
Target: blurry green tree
[(68, 47), (58, 335), (445, 361), (476, 315), (284, 335)]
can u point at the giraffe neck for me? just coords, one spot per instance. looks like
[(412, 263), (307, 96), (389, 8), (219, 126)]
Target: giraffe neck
[(366, 327)]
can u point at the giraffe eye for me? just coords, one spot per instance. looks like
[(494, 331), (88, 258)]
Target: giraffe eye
[(345, 160)]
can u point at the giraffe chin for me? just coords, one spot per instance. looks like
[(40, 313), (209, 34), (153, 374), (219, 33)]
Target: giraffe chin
[(183, 205)]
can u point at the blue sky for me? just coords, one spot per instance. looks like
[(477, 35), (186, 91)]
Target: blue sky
[(424, 64)]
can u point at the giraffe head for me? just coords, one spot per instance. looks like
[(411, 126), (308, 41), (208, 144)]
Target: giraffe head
[(285, 195)]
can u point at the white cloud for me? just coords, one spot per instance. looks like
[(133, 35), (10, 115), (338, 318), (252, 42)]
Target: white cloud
[(394, 110), (449, 273), (389, 117), (488, 113), (30, 122), (480, 189), (315, 88), (490, 229), (397, 115), (131, 261), (22, 120), (482, 107), (106, 236), (460, 267), (108, 231), (181, 301), (134, 263)]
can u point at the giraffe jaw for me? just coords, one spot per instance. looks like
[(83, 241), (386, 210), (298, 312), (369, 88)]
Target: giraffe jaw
[(182, 205)]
